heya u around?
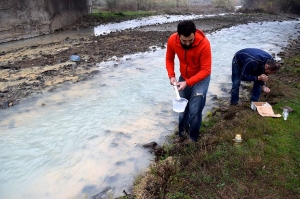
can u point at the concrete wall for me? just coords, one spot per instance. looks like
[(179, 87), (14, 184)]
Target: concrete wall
[(28, 18)]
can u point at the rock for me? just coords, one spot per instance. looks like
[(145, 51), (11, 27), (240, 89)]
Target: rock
[(150, 145), (224, 108), (214, 98), (4, 91), (4, 105), (288, 108), (5, 67), (94, 72)]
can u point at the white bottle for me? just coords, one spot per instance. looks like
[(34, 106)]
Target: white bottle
[(285, 114)]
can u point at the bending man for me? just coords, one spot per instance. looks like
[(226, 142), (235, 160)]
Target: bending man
[(251, 64)]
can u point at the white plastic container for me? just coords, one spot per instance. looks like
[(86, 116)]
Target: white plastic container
[(179, 105)]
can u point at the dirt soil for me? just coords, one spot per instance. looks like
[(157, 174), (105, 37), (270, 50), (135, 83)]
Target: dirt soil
[(45, 66)]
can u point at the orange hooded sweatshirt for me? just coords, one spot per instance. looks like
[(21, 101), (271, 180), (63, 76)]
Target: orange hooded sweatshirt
[(195, 63)]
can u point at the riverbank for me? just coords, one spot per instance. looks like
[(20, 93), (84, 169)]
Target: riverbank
[(265, 164), (43, 66)]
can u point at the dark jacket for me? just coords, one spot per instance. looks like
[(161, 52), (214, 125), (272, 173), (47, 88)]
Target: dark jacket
[(252, 62)]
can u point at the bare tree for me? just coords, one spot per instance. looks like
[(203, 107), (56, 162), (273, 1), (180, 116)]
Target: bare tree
[(111, 4)]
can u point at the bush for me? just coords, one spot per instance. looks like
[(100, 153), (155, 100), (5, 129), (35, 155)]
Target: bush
[(226, 4)]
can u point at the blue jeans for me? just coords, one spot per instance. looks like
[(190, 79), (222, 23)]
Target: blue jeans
[(191, 118), (236, 82)]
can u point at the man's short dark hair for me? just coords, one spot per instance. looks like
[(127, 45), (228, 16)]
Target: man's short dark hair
[(186, 28), (273, 65)]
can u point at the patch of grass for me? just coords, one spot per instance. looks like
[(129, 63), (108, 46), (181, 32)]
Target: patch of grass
[(292, 64)]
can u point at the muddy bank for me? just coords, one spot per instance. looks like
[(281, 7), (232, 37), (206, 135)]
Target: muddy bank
[(43, 67)]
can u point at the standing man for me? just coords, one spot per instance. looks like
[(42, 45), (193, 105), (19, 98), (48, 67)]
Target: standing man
[(251, 64), (194, 53)]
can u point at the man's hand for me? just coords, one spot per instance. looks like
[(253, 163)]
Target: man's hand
[(181, 85), (265, 89), (263, 78), (172, 80)]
